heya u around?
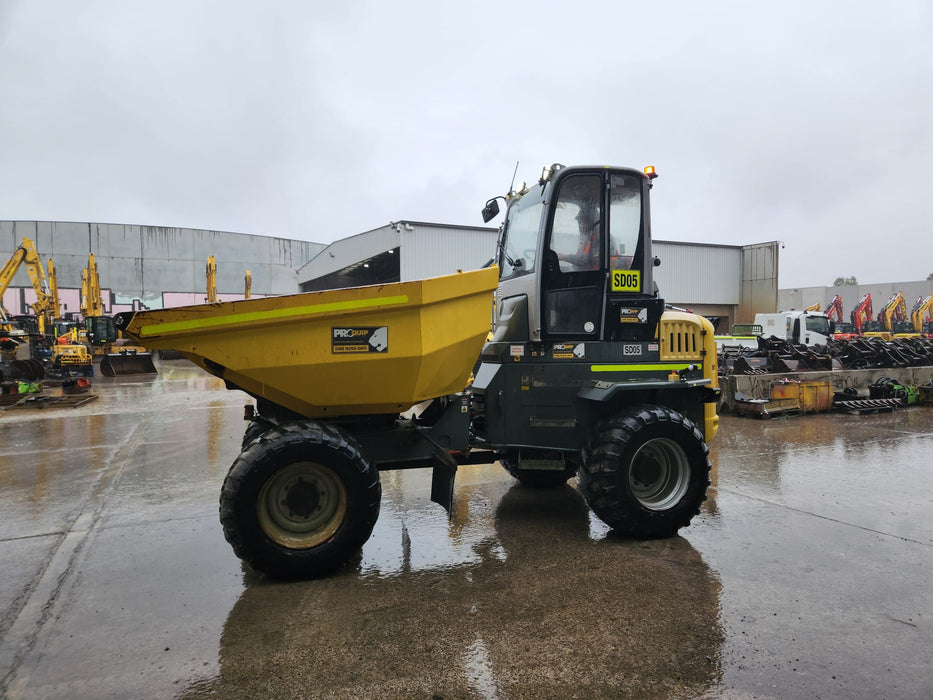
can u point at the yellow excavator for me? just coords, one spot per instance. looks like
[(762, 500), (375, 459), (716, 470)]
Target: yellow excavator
[(118, 356), (26, 339), (43, 307), (883, 326), (923, 316), (916, 327), (70, 354)]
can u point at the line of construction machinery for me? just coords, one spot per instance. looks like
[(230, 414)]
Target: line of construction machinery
[(869, 363), (43, 344)]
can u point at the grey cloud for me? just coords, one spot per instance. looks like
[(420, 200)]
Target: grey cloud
[(804, 122)]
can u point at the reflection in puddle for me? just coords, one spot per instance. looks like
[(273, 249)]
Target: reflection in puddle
[(477, 669), (522, 598)]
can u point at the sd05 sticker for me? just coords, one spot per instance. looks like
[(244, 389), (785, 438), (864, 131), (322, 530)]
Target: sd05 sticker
[(626, 280), (365, 339)]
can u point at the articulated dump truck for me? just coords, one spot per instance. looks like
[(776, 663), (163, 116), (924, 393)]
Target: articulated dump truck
[(584, 372)]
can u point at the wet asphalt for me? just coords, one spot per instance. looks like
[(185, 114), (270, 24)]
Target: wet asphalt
[(808, 573)]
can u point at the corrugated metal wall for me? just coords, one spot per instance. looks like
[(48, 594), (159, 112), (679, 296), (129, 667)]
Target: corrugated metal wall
[(349, 251), (708, 278), (165, 266), (759, 280), (691, 273), (145, 262), (429, 251)]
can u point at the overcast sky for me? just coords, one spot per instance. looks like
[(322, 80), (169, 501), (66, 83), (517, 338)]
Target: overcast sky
[(802, 121)]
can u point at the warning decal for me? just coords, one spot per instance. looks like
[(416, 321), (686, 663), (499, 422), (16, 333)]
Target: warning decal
[(359, 339)]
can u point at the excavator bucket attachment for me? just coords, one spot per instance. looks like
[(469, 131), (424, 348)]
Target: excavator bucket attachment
[(119, 364)]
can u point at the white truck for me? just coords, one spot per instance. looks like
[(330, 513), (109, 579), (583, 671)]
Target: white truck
[(802, 327)]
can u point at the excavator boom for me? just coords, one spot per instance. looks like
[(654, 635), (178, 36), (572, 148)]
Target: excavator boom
[(26, 255), (53, 289), (922, 311), (890, 318), (861, 313), (211, 280), (92, 304), (834, 312)]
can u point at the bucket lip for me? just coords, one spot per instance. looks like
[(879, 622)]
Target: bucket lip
[(224, 316), (120, 364)]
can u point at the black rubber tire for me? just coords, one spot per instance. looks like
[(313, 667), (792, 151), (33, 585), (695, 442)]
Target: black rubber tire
[(646, 472), (253, 431), (300, 501), (536, 478)]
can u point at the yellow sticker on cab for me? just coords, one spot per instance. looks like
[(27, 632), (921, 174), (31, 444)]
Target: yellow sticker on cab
[(626, 280)]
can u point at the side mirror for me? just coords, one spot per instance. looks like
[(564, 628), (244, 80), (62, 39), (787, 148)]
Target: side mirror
[(490, 211), (657, 260)]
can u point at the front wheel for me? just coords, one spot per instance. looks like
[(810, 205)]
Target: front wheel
[(646, 472), (300, 500)]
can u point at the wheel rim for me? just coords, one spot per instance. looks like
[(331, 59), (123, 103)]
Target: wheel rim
[(302, 506), (660, 474)]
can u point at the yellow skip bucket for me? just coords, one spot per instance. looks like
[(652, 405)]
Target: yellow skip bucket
[(363, 350)]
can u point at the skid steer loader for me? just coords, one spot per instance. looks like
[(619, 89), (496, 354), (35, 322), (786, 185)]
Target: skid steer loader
[(586, 373)]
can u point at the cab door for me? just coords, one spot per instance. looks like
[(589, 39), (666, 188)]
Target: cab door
[(574, 266)]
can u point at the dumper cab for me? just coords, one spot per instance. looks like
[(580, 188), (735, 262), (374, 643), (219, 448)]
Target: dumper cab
[(575, 259), (578, 331)]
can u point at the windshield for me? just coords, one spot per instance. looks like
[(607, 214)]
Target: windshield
[(818, 324), (520, 238)]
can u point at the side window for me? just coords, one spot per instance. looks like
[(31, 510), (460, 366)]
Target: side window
[(575, 233), (624, 220), (818, 324), (521, 240)]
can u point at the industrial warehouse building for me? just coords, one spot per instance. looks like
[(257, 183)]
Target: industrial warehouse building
[(156, 267), (151, 266)]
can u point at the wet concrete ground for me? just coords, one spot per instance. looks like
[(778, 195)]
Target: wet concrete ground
[(808, 573)]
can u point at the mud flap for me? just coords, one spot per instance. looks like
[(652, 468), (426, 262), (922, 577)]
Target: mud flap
[(119, 364), (442, 480)]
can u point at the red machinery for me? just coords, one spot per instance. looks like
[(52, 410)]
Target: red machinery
[(861, 314), (835, 309)]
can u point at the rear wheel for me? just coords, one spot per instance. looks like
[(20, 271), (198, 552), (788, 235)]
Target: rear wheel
[(300, 500), (646, 472)]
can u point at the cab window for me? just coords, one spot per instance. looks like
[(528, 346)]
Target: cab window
[(575, 231), (624, 220), (520, 241)]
